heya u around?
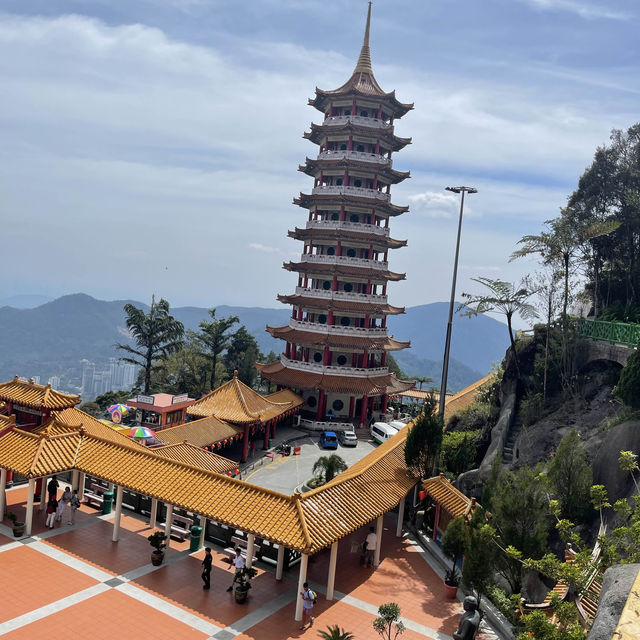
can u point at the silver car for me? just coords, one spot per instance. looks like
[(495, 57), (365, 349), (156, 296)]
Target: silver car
[(348, 438)]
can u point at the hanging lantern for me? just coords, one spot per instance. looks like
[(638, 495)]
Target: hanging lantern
[(237, 471), (422, 494), (229, 473)]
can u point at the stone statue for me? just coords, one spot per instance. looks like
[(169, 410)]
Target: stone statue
[(470, 620)]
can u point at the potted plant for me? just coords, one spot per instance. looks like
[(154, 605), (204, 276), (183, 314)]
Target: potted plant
[(157, 541), (18, 527), (244, 583), (454, 545)]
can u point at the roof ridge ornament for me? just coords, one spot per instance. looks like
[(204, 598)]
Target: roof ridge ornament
[(364, 61)]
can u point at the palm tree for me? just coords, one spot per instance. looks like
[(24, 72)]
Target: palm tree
[(336, 633), (157, 334), (503, 297), (214, 340), (422, 380), (328, 467)]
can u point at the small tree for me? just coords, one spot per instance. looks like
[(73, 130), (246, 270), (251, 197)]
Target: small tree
[(336, 633), (92, 408), (388, 621), (156, 334), (422, 446), (628, 387), (454, 545), (327, 467), (242, 354), (570, 476), (502, 297), (481, 554)]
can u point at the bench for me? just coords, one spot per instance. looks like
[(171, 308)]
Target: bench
[(181, 526), (236, 541), (96, 495)]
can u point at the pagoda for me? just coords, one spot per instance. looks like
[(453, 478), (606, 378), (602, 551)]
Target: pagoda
[(337, 339)]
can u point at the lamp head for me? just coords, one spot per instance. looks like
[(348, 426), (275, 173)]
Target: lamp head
[(460, 189)]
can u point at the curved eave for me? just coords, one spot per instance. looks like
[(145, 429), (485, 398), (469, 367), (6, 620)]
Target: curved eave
[(343, 306), (342, 270), (313, 167), (383, 242), (323, 98), (376, 385), (306, 201), (311, 338), (319, 132)]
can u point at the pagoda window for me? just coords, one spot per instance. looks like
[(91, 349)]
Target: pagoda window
[(331, 251), (354, 217), (343, 147), (360, 147), (345, 321), (351, 253), (311, 401), (326, 285), (338, 405), (347, 112), (348, 287), (364, 114), (335, 216), (322, 319), (357, 183), (317, 357), (342, 360), (339, 181)]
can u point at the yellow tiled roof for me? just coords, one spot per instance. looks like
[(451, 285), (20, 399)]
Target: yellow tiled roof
[(35, 396), (235, 402), (196, 457), (6, 421), (306, 523), (201, 433), (450, 498)]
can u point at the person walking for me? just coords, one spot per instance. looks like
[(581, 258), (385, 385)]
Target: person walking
[(238, 563), (206, 568), (371, 543), (308, 600), (64, 503), (74, 505), (52, 487), (52, 507)]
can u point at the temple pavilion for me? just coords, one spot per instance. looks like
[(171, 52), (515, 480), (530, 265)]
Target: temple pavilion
[(337, 339)]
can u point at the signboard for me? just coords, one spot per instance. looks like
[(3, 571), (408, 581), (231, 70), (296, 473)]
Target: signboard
[(181, 398), (144, 399)]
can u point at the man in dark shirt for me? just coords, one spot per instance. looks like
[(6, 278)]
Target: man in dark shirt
[(52, 488), (206, 568)]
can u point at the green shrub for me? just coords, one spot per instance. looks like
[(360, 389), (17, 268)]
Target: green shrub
[(628, 387), (531, 408), (504, 603), (459, 451)]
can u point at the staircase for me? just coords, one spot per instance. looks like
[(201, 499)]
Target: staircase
[(514, 432)]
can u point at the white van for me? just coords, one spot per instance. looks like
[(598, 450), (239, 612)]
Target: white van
[(397, 424), (381, 431)]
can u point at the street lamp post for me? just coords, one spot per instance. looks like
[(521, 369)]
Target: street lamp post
[(447, 344)]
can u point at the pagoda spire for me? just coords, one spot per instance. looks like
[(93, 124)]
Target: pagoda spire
[(364, 61)]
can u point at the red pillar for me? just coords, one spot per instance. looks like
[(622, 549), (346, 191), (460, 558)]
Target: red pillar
[(363, 412), (245, 443), (267, 429), (385, 403), (352, 402), (436, 519)]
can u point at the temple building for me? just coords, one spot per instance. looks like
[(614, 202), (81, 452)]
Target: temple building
[(337, 339)]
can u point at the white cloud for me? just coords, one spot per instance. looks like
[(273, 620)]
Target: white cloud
[(583, 9), (434, 205), (261, 247)]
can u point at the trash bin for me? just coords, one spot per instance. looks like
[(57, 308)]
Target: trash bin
[(270, 443), (194, 543), (107, 501)]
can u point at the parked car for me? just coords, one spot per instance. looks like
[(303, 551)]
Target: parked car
[(380, 431), (328, 440), (348, 438)]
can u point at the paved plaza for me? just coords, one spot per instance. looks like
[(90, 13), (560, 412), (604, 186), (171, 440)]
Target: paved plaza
[(74, 582)]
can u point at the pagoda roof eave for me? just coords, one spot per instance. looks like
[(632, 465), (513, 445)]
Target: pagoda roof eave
[(345, 306), (339, 234), (36, 396), (318, 132), (377, 275), (306, 200), (311, 167), (298, 336), (323, 96)]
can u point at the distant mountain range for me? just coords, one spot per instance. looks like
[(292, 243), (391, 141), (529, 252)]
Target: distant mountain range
[(52, 338)]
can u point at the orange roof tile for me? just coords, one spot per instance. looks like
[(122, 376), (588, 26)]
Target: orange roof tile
[(195, 456), (464, 398), (373, 343), (235, 402), (451, 499), (35, 396), (201, 433)]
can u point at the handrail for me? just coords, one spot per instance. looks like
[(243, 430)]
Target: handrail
[(624, 333)]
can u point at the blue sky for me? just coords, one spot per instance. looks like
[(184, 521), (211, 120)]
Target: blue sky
[(152, 146)]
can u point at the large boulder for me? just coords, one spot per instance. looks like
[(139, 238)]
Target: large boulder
[(616, 586)]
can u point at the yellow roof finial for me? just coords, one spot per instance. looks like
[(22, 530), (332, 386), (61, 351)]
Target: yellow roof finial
[(364, 61)]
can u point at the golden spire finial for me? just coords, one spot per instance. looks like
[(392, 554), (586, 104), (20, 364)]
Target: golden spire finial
[(364, 61)]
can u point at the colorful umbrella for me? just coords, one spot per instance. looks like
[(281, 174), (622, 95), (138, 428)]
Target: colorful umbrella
[(118, 411), (141, 432)]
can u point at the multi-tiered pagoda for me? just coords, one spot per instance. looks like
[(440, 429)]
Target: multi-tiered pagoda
[(337, 340)]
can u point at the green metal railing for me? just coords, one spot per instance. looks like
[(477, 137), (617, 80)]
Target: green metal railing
[(613, 332)]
